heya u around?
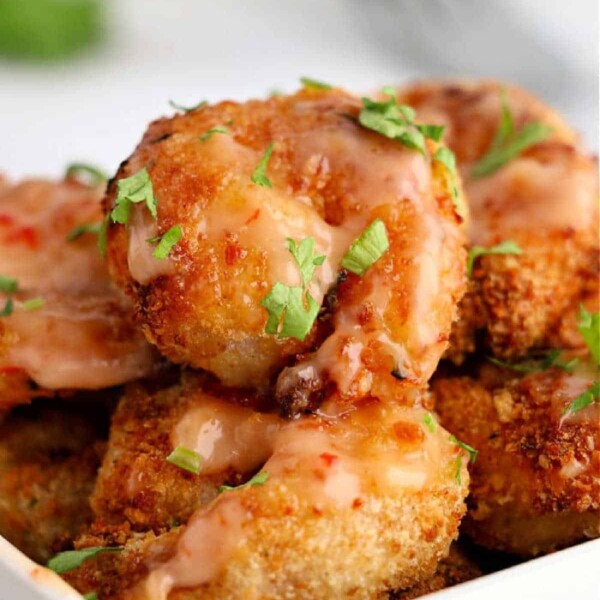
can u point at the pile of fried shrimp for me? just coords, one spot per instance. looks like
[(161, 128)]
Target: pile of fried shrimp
[(297, 345)]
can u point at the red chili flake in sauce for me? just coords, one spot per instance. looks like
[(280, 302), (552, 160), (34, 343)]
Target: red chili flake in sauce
[(328, 459), (24, 235), (253, 217), (11, 370), (233, 253)]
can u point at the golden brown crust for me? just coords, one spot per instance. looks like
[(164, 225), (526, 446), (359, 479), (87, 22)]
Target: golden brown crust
[(535, 471), (206, 311), (48, 463)]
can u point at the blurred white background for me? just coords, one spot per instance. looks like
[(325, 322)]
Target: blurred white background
[(96, 107)]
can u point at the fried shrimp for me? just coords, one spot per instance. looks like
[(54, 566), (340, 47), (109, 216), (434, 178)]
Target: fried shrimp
[(63, 326), (349, 502), (48, 463), (536, 484), (247, 184), (544, 199)]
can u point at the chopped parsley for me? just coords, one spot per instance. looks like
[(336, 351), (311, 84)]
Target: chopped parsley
[(166, 242), (8, 307), (367, 249), (585, 399), (208, 134), (9, 286), (292, 310), (90, 596), (536, 364), (187, 109), (91, 175), (33, 303), (508, 143), (472, 452), (429, 422), (458, 470), (589, 328), (186, 459), (259, 177), (313, 83), (131, 190), (82, 229), (446, 157), (259, 479), (72, 559), (396, 121), (304, 255), (506, 247)]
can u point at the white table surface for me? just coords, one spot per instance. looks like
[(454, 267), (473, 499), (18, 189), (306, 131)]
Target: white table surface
[(96, 108)]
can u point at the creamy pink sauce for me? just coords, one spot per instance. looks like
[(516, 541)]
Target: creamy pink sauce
[(321, 463), (82, 337), (557, 195)]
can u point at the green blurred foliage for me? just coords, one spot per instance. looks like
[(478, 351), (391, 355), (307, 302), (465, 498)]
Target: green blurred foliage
[(49, 29)]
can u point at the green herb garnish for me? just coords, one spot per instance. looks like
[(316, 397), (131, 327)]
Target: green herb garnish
[(82, 229), (446, 157), (292, 310), (187, 109), (259, 479), (472, 452), (313, 83), (186, 459), (396, 121), (429, 422), (90, 596), (589, 328), (506, 247), (304, 255), (208, 134), (131, 190), (536, 364), (166, 242), (259, 177), (33, 304), (8, 308), (103, 235), (458, 470), (367, 249), (8, 285), (585, 399), (72, 559), (508, 143), (93, 176)]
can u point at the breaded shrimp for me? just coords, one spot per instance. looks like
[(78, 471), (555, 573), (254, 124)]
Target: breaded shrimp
[(349, 502), (328, 178), (545, 200), (136, 484), (64, 326), (48, 463), (535, 486)]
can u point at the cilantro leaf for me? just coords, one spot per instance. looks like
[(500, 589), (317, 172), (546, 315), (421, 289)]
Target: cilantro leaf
[(305, 258), (92, 175), (208, 134), (429, 422), (82, 229), (259, 479), (313, 83), (585, 399), (166, 242), (90, 596), (458, 470), (536, 364), (589, 328), (71, 559), (472, 452), (505, 247), (33, 304), (367, 249), (186, 459), (432, 132), (187, 109), (8, 285), (291, 313), (8, 308), (259, 177), (446, 157), (508, 143), (131, 190)]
